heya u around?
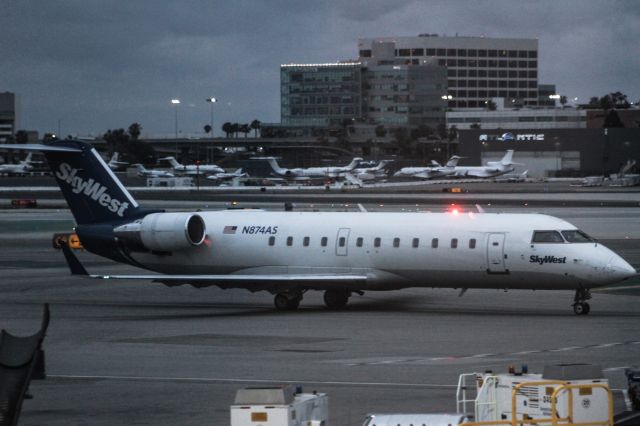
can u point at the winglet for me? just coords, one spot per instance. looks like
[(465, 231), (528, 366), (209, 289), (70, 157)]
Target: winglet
[(72, 261)]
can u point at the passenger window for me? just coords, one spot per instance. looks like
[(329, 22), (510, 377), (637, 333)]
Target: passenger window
[(359, 242), (305, 241), (454, 243), (342, 241), (396, 242), (272, 240), (323, 241), (415, 243), (289, 241), (472, 243), (576, 236), (547, 237), (376, 242), (434, 243)]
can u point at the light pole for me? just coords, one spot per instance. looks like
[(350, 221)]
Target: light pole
[(212, 101), (176, 102)]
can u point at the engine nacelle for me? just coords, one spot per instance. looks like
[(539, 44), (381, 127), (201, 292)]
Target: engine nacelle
[(163, 232)]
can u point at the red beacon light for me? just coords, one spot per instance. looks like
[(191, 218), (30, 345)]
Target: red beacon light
[(454, 210)]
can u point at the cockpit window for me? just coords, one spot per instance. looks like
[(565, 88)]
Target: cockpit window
[(577, 236), (547, 237)]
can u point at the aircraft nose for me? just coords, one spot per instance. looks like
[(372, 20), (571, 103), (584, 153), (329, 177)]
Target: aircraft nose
[(620, 269)]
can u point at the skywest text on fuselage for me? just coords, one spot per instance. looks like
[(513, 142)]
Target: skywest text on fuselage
[(547, 259)]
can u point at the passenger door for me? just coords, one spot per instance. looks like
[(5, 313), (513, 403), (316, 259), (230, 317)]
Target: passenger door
[(495, 254), (342, 241)]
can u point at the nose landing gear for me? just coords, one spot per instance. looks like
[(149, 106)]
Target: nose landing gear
[(580, 306)]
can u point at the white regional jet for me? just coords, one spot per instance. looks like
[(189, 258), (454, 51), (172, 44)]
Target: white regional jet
[(492, 169), (433, 172), (312, 172), (193, 169), (17, 169), (340, 253), (144, 172)]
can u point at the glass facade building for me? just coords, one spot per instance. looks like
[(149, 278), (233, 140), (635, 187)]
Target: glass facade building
[(320, 95), (334, 95), (405, 95)]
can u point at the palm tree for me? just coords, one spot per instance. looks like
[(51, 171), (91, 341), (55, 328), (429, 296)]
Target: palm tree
[(227, 128), (255, 125), (244, 128), (134, 131), (235, 128)]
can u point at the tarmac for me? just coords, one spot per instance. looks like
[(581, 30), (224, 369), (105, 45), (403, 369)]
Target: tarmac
[(142, 353)]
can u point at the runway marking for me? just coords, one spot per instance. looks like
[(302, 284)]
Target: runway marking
[(490, 355), (278, 381), (568, 348), (223, 380)]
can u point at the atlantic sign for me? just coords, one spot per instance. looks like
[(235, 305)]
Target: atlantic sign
[(510, 137)]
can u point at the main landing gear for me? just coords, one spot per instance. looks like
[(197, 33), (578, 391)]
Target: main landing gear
[(287, 301), (334, 299), (580, 306)]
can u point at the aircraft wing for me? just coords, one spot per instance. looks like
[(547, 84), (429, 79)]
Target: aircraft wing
[(249, 281)]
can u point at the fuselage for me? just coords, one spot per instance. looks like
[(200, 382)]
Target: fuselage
[(491, 170), (314, 172), (425, 172), (398, 250), (16, 168)]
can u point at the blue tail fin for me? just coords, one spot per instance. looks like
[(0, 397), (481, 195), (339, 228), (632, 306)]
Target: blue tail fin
[(92, 190)]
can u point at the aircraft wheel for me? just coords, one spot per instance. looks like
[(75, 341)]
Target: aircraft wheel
[(336, 299), (286, 302), (581, 308)]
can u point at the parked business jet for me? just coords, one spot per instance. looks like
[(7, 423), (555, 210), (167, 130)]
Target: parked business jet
[(17, 169), (220, 177), (340, 253), (434, 171), (513, 177), (192, 169), (378, 171), (144, 172), (312, 172), (114, 163), (492, 169)]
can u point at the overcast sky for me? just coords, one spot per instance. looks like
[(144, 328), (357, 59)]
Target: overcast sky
[(93, 65)]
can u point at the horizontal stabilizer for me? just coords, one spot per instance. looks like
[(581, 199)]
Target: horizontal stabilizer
[(39, 147)]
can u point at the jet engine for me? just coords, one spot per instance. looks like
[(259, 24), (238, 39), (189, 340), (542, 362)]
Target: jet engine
[(163, 232)]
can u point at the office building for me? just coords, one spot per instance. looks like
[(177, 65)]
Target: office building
[(478, 68), (556, 118), (8, 116), (316, 97), (403, 94), (320, 95)]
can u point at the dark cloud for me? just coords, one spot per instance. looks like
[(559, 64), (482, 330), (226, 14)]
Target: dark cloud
[(96, 65)]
